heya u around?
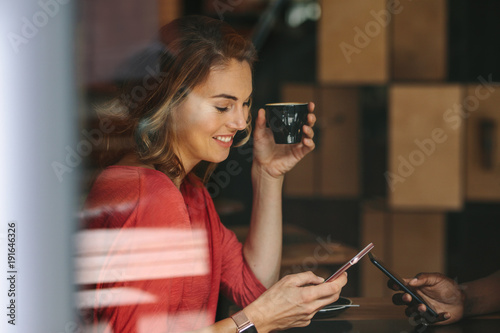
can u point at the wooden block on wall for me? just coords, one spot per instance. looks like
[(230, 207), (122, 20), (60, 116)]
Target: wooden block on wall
[(353, 41), (421, 237), (302, 179), (339, 142), (482, 142), (419, 46), (425, 149), (408, 243), (169, 10)]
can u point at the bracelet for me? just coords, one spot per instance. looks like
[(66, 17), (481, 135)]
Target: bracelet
[(242, 323)]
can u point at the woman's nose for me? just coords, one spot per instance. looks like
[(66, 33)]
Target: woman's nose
[(238, 119)]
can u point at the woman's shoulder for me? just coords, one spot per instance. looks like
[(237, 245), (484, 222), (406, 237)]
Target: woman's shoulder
[(130, 181), (121, 175)]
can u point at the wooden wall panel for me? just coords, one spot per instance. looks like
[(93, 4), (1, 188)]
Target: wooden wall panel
[(420, 40), (339, 146), (333, 168), (425, 149), (168, 10), (418, 243), (408, 243), (482, 158), (352, 42), (301, 180)]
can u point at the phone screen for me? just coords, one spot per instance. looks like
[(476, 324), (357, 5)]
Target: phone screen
[(407, 289)]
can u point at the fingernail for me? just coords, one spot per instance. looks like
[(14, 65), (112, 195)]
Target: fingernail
[(447, 316)]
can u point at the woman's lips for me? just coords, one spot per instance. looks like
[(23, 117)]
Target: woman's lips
[(224, 140)]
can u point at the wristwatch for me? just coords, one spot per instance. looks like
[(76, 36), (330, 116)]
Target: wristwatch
[(243, 324)]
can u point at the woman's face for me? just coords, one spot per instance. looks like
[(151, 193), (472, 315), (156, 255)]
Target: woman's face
[(212, 113)]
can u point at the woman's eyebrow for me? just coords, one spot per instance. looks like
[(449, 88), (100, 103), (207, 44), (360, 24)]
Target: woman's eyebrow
[(234, 98), (227, 96)]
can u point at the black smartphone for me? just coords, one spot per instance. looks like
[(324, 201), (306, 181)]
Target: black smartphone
[(430, 315)]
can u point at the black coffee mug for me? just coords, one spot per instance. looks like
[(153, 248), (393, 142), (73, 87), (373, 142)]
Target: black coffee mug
[(286, 120)]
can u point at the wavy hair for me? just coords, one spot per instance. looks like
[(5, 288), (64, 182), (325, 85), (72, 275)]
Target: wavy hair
[(188, 49)]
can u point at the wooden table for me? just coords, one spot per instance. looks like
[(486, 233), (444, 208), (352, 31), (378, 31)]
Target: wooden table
[(379, 315)]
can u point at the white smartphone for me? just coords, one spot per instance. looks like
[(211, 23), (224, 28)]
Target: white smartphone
[(351, 262)]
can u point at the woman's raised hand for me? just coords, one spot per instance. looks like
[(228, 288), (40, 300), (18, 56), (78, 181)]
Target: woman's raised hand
[(276, 159)]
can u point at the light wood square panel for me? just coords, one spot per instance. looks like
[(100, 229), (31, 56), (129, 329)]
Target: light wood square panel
[(353, 41), (420, 40), (169, 10), (425, 149), (407, 242)]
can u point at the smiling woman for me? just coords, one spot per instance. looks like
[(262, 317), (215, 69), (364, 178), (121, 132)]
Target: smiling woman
[(166, 274)]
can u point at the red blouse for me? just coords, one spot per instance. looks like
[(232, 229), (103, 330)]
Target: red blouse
[(165, 274)]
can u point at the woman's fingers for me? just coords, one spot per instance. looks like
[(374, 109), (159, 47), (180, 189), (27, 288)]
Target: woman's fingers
[(302, 279), (311, 119), (311, 106), (261, 119)]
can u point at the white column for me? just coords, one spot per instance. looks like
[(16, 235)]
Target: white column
[(38, 118)]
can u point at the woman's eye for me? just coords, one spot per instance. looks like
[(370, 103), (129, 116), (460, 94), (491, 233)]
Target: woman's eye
[(248, 103), (222, 109)]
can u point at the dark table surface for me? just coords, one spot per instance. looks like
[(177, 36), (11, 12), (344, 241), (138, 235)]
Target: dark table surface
[(376, 315)]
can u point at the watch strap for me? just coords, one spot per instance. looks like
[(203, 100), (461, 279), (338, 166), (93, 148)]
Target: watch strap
[(243, 324)]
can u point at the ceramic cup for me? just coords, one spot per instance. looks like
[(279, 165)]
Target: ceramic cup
[(286, 120)]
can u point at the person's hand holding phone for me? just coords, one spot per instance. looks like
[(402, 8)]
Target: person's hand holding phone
[(440, 292)]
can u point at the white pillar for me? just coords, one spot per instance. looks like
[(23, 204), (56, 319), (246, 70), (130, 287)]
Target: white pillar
[(38, 118)]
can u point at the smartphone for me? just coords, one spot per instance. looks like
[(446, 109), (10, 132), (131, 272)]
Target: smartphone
[(431, 314), (351, 262)]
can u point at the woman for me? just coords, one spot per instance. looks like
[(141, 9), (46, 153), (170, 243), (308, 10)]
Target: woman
[(174, 134)]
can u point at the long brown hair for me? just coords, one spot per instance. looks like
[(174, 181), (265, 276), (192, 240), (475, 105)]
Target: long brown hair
[(190, 47)]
